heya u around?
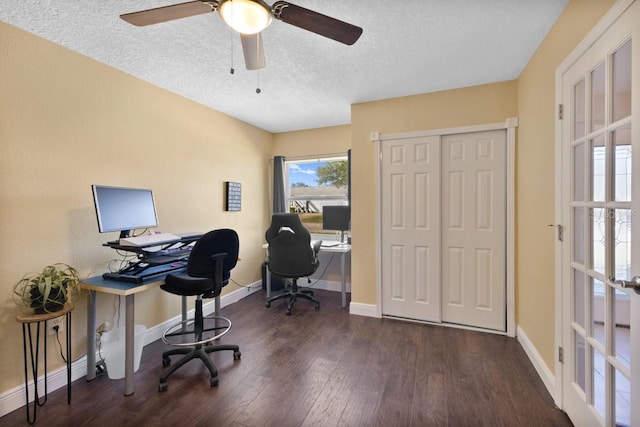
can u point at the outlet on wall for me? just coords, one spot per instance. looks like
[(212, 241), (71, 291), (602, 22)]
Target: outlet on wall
[(59, 322)]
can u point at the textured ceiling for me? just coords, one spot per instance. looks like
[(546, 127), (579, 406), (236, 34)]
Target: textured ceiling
[(408, 47)]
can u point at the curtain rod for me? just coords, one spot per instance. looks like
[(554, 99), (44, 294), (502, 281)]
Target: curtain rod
[(316, 156)]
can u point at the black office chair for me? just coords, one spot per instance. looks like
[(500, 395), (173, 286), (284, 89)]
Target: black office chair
[(209, 267), (290, 255)]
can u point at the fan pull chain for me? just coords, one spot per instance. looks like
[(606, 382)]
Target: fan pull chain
[(258, 82), (231, 40)]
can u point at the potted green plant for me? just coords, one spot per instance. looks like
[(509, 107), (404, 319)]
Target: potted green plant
[(49, 290)]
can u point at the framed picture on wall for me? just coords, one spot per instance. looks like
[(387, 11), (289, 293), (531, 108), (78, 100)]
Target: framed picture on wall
[(233, 196)]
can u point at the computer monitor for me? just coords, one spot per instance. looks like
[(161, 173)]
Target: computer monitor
[(336, 218), (124, 209)]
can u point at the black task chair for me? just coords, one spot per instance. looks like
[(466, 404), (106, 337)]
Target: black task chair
[(209, 267), (290, 255)]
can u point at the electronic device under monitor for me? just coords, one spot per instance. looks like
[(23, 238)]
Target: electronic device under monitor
[(336, 218), (123, 209)]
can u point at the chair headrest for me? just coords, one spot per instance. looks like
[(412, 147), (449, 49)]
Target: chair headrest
[(287, 222)]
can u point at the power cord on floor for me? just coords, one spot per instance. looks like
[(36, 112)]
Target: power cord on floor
[(239, 285), (326, 267), (56, 328)]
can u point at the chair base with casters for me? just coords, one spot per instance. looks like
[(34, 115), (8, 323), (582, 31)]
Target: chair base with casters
[(198, 349), (293, 294)]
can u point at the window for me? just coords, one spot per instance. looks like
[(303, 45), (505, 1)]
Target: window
[(314, 183)]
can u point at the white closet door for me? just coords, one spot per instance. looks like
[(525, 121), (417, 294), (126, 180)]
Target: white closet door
[(473, 229), (443, 228), (411, 228)]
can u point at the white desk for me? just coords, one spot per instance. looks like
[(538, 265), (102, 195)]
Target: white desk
[(128, 290), (343, 249)]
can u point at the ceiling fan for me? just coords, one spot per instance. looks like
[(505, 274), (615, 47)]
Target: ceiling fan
[(249, 18)]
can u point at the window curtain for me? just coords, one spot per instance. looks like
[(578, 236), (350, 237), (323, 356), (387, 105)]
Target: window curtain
[(279, 191), (349, 176)]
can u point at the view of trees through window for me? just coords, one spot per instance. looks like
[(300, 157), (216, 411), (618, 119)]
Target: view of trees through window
[(312, 184)]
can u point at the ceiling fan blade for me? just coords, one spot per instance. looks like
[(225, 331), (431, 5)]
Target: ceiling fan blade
[(253, 51), (169, 13), (315, 22)]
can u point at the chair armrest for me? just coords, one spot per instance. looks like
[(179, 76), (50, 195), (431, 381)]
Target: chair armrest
[(316, 249), (219, 255)]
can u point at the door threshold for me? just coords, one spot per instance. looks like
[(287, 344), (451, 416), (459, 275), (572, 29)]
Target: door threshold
[(445, 324)]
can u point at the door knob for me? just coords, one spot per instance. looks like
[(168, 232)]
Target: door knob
[(634, 283)]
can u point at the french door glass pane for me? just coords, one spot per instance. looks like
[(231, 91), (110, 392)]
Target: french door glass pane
[(622, 82), (597, 97), (623, 400), (578, 297), (598, 381), (621, 139), (578, 172), (580, 361), (598, 169), (598, 311), (578, 235), (579, 109), (622, 241), (598, 239), (622, 335)]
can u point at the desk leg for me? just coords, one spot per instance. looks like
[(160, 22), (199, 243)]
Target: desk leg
[(68, 330), (268, 273), (91, 336), (184, 314), (129, 387), (343, 279)]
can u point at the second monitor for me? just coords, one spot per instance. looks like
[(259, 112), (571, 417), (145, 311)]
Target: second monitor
[(336, 218)]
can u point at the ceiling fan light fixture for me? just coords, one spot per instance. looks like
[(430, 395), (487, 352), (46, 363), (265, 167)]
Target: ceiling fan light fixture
[(245, 16)]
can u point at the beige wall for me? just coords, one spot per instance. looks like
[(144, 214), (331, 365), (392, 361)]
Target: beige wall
[(316, 142), (535, 174), (67, 122)]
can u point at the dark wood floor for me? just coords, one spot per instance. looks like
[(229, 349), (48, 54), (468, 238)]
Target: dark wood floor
[(323, 368)]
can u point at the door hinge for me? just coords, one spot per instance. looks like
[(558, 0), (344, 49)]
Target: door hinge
[(560, 111), (560, 230), (560, 355)]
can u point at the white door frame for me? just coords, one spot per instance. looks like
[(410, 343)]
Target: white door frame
[(510, 125), (596, 32)]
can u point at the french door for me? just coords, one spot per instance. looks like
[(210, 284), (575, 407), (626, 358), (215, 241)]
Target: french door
[(600, 146)]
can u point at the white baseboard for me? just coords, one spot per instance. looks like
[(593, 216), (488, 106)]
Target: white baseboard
[(14, 398), (368, 310), (541, 368)]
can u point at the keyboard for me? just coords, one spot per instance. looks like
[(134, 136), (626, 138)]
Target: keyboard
[(182, 253), (149, 239), (330, 244), (191, 235)]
